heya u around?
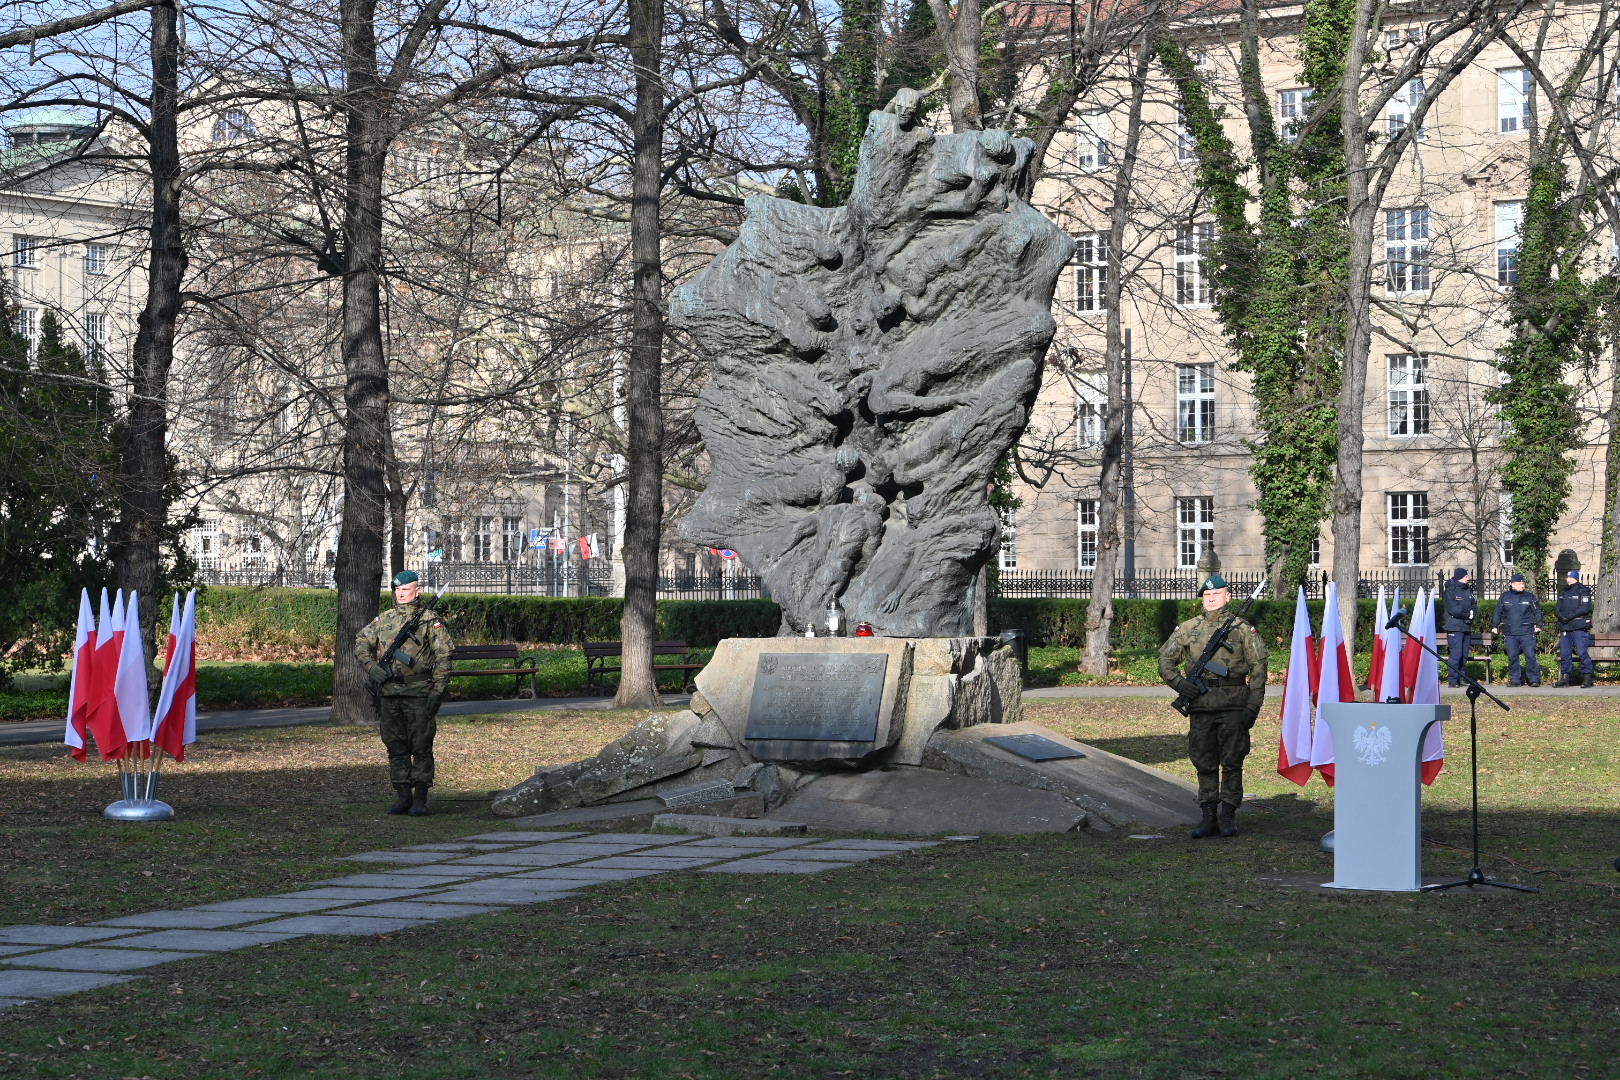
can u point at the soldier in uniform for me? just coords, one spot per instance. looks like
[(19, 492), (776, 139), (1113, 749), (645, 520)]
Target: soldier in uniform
[(1218, 734), (408, 690)]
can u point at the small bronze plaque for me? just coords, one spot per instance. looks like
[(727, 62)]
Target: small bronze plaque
[(818, 697), (1034, 747)]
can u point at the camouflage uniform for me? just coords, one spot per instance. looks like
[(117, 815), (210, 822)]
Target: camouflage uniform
[(1218, 736), (408, 701)]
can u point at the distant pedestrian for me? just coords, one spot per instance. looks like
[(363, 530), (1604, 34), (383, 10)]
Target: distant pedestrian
[(1461, 607), (1574, 611), (1518, 618)]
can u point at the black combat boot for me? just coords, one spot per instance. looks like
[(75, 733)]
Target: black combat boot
[(1228, 825), (1207, 826), (418, 800), (1586, 680), (403, 803)]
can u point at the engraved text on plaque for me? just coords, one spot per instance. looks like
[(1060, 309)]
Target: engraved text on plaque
[(831, 697)]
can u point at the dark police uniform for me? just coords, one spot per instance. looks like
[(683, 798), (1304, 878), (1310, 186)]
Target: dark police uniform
[(1574, 612), (1218, 729), (1460, 609), (408, 700), (1518, 617)]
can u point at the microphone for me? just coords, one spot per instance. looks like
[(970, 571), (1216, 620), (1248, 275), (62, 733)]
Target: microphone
[(1395, 619)]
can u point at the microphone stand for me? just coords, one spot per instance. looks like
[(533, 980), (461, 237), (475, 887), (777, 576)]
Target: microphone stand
[(1476, 876)]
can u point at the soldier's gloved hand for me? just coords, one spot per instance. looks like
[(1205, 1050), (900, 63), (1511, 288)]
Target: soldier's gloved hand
[(434, 700), (376, 673)]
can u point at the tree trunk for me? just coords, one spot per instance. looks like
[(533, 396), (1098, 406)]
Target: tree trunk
[(145, 465), (397, 504), (963, 37), (1606, 610), (358, 573), (1111, 482), (1347, 485), (644, 514)]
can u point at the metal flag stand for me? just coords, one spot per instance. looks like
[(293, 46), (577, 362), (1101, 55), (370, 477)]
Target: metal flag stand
[(139, 771)]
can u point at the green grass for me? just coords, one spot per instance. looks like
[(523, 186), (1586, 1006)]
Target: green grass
[(1059, 955)]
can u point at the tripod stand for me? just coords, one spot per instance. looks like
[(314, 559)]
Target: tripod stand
[(1476, 876)]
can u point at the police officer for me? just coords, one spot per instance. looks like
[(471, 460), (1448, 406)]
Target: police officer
[(1574, 612), (408, 690), (1460, 609), (1518, 618), (1218, 732)]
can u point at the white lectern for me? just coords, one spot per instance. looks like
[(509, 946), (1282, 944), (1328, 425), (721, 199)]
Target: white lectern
[(1378, 781)]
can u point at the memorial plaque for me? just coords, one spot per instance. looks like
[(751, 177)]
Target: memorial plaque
[(1034, 747), (697, 794), (817, 697)]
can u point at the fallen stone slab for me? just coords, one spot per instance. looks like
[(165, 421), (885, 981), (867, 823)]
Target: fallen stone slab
[(772, 866), (580, 875), (921, 802), (402, 857), (749, 843), (189, 919), (202, 940), (519, 836), (1114, 790), (27, 985), (395, 881), (639, 862), (55, 935), (81, 958), (417, 909), (705, 825), (352, 894), (358, 925), (271, 905)]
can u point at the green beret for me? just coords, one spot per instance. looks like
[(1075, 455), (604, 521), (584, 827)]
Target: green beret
[(1214, 581), (406, 577)]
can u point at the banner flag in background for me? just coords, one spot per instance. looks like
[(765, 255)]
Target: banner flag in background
[(1294, 751), (84, 649), (175, 726)]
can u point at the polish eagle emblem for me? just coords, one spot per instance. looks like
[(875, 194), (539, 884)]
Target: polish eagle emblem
[(1373, 743)]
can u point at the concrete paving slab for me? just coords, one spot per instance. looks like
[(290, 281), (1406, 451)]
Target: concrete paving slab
[(185, 919), (582, 874), (534, 858), (682, 852), (342, 924), (633, 838), (772, 866), (754, 843), (56, 935), (871, 845), (202, 940), (14, 950), (458, 847), (477, 894), (718, 825), (270, 905), (637, 862), (392, 881), (401, 857), (351, 894), (831, 855), (48, 984), (80, 958), (416, 909), (564, 852), (921, 802), (518, 835), (442, 869)]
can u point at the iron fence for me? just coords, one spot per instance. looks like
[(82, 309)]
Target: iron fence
[(510, 579), (1183, 585)]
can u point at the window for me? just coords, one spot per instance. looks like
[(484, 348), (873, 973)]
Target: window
[(1504, 528), (430, 488), (252, 547), (24, 251), (433, 544), (1403, 105), (511, 539), (1316, 552), (1408, 394), (95, 337), (1291, 106), (1509, 216), (1088, 534), (1090, 272), (1090, 409), (205, 544), (1007, 557), (1195, 402), (1409, 528), (28, 325), (1399, 39), (452, 541), (483, 539), (1195, 520), (233, 126), (1513, 99), (1406, 249), (95, 259), (1186, 149), (1192, 289), (1092, 152)]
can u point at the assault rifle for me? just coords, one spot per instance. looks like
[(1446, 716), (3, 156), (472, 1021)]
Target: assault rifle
[(394, 653), (1207, 664)]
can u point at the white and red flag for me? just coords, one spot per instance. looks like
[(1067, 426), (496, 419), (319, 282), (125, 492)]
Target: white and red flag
[(1375, 669), (1294, 749), (589, 548), (101, 706), (1388, 685), (1336, 683), (174, 726), (129, 684), (1426, 691), (1411, 654), (84, 648)]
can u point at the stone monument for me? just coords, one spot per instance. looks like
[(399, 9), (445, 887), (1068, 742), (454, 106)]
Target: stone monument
[(871, 366)]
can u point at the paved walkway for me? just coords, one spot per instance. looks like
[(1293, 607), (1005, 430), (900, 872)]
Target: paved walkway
[(412, 887)]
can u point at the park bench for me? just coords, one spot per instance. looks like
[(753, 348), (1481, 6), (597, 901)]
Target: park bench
[(1479, 650), (1609, 644), (598, 653), (510, 661)]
